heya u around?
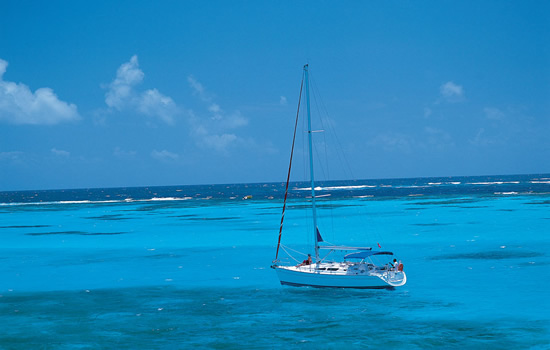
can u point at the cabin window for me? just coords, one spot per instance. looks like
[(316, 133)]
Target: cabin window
[(333, 269)]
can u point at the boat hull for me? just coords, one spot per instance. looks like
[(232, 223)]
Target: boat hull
[(292, 276)]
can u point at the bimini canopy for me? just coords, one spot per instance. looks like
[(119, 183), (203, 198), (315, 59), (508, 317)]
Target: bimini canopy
[(365, 254), (343, 247)]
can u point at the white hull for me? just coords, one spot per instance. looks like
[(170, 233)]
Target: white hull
[(347, 276)]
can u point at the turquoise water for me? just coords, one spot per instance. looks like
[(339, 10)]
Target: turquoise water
[(188, 267)]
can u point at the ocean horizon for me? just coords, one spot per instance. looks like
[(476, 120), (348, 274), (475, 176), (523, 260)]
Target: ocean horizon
[(435, 185), (189, 266)]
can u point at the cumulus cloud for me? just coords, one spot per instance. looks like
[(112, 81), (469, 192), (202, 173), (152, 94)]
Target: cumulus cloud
[(198, 89), (427, 112), (164, 155), (120, 153), (493, 113), (214, 108), (218, 142), (394, 142), (233, 121), (154, 103), (121, 92), (60, 153), (3, 66), (124, 95), (217, 131), (19, 105), (479, 139), (432, 139), (451, 92), (13, 155), (438, 139)]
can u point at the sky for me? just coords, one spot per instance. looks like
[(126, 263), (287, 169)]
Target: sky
[(151, 93)]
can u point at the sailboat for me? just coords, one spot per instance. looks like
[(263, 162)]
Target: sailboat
[(357, 269)]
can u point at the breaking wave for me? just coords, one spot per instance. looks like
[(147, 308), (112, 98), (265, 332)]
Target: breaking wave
[(335, 188), (127, 200)]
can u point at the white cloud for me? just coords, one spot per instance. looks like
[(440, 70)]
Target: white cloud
[(219, 142), (214, 132), (123, 95), (437, 139), (493, 113), (60, 153), (214, 108), (234, 121), (479, 139), (154, 103), (164, 155), (432, 139), (14, 155), (427, 112), (198, 89), (3, 66), (120, 153), (121, 91), (19, 105), (451, 91), (395, 142), (283, 101)]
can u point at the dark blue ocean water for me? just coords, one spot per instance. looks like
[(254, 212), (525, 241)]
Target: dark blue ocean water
[(188, 266)]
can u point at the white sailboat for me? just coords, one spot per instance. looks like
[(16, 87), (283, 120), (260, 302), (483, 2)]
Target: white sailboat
[(357, 270)]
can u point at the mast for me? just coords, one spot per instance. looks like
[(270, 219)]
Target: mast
[(289, 168), (311, 174)]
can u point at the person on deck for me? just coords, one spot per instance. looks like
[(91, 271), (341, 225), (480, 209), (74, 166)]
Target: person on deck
[(308, 261), (400, 266)]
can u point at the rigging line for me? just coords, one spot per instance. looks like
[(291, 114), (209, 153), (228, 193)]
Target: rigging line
[(294, 250), (322, 167), (316, 99), (326, 256), (305, 165), (340, 150), (324, 115), (289, 168), (333, 136), (287, 253)]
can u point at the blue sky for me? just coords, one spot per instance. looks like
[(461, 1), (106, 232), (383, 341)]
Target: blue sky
[(143, 93)]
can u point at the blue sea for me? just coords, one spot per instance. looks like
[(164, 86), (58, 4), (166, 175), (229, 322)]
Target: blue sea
[(186, 267)]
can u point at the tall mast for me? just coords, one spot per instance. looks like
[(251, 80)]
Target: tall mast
[(289, 168), (314, 210)]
